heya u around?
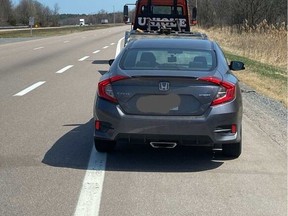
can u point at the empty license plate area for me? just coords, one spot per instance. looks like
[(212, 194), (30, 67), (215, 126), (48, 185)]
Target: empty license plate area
[(162, 104)]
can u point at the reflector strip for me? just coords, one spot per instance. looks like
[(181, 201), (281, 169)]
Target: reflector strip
[(234, 128), (97, 125)]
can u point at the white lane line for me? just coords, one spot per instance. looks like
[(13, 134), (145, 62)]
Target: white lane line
[(118, 49), (105, 47), (97, 51), (66, 41), (38, 48), (90, 196), (112, 44), (84, 58), (64, 69), (29, 89)]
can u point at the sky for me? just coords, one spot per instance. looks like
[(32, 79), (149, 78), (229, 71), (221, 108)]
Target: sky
[(84, 6)]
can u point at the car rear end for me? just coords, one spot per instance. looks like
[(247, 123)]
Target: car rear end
[(169, 103)]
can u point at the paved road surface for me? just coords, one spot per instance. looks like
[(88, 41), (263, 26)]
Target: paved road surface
[(47, 88)]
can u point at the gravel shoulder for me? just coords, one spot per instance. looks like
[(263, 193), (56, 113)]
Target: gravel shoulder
[(268, 115)]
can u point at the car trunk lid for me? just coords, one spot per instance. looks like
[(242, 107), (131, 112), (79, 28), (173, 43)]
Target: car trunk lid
[(164, 95)]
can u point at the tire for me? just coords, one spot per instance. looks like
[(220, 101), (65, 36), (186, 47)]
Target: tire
[(232, 150), (104, 145)]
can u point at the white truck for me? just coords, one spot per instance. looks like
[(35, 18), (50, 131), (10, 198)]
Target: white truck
[(82, 22), (104, 21)]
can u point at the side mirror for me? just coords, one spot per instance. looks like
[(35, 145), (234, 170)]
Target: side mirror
[(194, 16), (236, 65), (125, 13), (111, 61)]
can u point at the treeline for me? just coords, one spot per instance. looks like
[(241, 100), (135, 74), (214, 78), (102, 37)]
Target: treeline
[(91, 19), (210, 13), (44, 16), (19, 15), (237, 12)]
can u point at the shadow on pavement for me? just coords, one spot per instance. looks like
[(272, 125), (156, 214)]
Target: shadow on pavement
[(102, 72), (101, 62), (73, 151), (143, 158)]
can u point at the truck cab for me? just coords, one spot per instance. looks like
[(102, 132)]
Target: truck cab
[(156, 14)]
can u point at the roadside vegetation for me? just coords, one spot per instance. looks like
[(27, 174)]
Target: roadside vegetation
[(14, 15), (263, 49), (18, 15), (254, 32)]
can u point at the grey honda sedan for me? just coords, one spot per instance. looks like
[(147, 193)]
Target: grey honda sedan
[(167, 92)]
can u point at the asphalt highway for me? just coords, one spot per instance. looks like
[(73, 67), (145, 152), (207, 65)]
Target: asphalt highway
[(48, 165)]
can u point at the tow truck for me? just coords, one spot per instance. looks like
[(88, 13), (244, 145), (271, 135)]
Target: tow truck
[(161, 18)]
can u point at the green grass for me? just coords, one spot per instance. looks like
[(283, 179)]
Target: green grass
[(260, 68), (48, 32), (269, 80)]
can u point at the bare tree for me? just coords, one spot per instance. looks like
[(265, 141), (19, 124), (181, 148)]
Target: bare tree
[(43, 15), (55, 17), (206, 13), (6, 13), (24, 10), (234, 12), (252, 10)]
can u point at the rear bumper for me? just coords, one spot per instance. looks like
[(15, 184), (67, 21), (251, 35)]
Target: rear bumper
[(207, 130)]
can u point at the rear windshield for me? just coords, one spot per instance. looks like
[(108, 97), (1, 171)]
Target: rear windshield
[(162, 9), (168, 59), (166, 10)]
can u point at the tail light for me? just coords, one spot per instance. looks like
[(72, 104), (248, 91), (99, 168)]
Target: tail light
[(226, 92), (105, 88)]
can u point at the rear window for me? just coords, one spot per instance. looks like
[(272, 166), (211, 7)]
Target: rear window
[(166, 10), (162, 10), (168, 59)]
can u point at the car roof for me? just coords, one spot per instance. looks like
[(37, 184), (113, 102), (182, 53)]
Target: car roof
[(174, 43)]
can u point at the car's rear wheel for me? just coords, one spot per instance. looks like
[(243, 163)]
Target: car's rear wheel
[(232, 149), (104, 145)]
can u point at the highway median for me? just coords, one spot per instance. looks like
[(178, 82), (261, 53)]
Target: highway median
[(48, 32)]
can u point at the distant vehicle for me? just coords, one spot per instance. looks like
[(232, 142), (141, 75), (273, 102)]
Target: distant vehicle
[(82, 22), (104, 21), (168, 92)]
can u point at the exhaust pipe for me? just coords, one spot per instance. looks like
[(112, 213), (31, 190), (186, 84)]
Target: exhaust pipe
[(163, 144)]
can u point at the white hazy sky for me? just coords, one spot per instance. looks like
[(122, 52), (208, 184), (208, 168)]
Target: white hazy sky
[(84, 6)]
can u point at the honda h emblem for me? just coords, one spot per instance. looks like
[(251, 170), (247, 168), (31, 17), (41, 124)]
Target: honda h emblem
[(164, 86)]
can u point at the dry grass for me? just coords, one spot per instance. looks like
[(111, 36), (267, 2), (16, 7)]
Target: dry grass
[(263, 43), (276, 89)]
